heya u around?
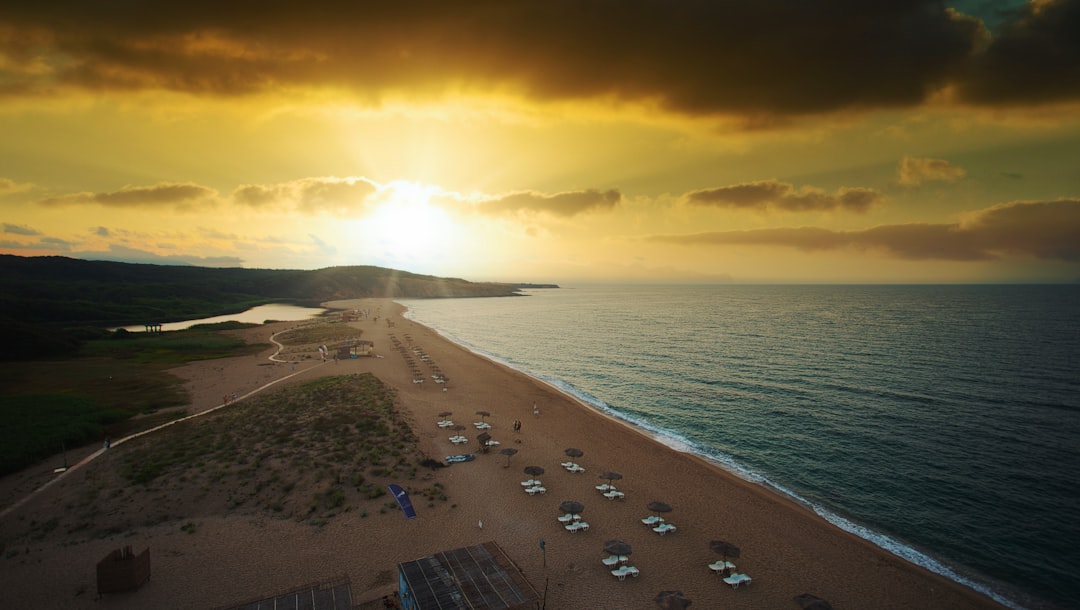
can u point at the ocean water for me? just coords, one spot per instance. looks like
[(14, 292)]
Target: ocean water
[(942, 423)]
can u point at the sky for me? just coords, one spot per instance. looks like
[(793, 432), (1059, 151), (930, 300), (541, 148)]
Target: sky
[(816, 141)]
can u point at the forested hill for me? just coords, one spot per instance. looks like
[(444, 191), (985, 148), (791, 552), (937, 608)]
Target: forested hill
[(64, 292)]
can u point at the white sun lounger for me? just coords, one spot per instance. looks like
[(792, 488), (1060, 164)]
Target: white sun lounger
[(611, 495), (664, 528), (624, 571), (576, 526), (720, 565), (652, 521), (610, 561), (737, 579)]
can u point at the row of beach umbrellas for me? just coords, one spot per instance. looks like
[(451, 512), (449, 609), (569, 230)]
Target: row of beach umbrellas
[(482, 414), (666, 600)]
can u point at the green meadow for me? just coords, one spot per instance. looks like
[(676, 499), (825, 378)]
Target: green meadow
[(94, 393)]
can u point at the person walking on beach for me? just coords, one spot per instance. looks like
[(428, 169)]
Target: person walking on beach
[(517, 425), (536, 410)]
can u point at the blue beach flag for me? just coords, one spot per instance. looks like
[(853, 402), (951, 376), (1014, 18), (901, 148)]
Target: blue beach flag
[(403, 501)]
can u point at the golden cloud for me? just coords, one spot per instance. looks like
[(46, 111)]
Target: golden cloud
[(774, 195), (179, 196), (342, 196), (1048, 230), (560, 204), (14, 229), (914, 171)]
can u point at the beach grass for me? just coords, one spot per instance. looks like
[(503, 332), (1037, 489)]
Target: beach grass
[(202, 342), (307, 453), (311, 334)]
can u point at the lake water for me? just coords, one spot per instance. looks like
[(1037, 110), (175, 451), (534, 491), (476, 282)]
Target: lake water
[(941, 423), (255, 315)]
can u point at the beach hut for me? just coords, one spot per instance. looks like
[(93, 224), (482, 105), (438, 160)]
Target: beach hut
[(123, 570), (481, 577), (354, 348)]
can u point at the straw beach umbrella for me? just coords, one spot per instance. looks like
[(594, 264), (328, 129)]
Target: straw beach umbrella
[(812, 602), (659, 507), (672, 600), (483, 414), (446, 413), (574, 452), (483, 437), (572, 506), (611, 476), (534, 471), (508, 451), (725, 548), (617, 547)]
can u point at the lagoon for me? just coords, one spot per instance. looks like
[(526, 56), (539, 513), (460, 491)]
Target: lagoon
[(255, 315)]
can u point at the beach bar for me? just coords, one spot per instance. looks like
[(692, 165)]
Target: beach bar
[(354, 348), (480, 577)]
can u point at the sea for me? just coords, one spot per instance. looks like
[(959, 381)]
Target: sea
[(939, 422)]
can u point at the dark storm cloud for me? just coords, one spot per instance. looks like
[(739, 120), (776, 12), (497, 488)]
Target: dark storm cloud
[(696, 57), (774, 195), (560, 204), (1034, 58), (1048, 230)]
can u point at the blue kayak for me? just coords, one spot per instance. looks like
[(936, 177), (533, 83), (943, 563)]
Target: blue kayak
[(465, 457)]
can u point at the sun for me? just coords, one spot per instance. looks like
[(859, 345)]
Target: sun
[(406, 226)]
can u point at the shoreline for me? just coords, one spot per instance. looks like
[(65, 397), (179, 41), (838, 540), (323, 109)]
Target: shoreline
[(236, 555), (672, 442)]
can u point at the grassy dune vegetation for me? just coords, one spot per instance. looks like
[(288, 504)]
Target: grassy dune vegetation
[(306, 453)]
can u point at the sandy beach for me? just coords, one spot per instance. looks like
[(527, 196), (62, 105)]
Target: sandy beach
[(233, 556)]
